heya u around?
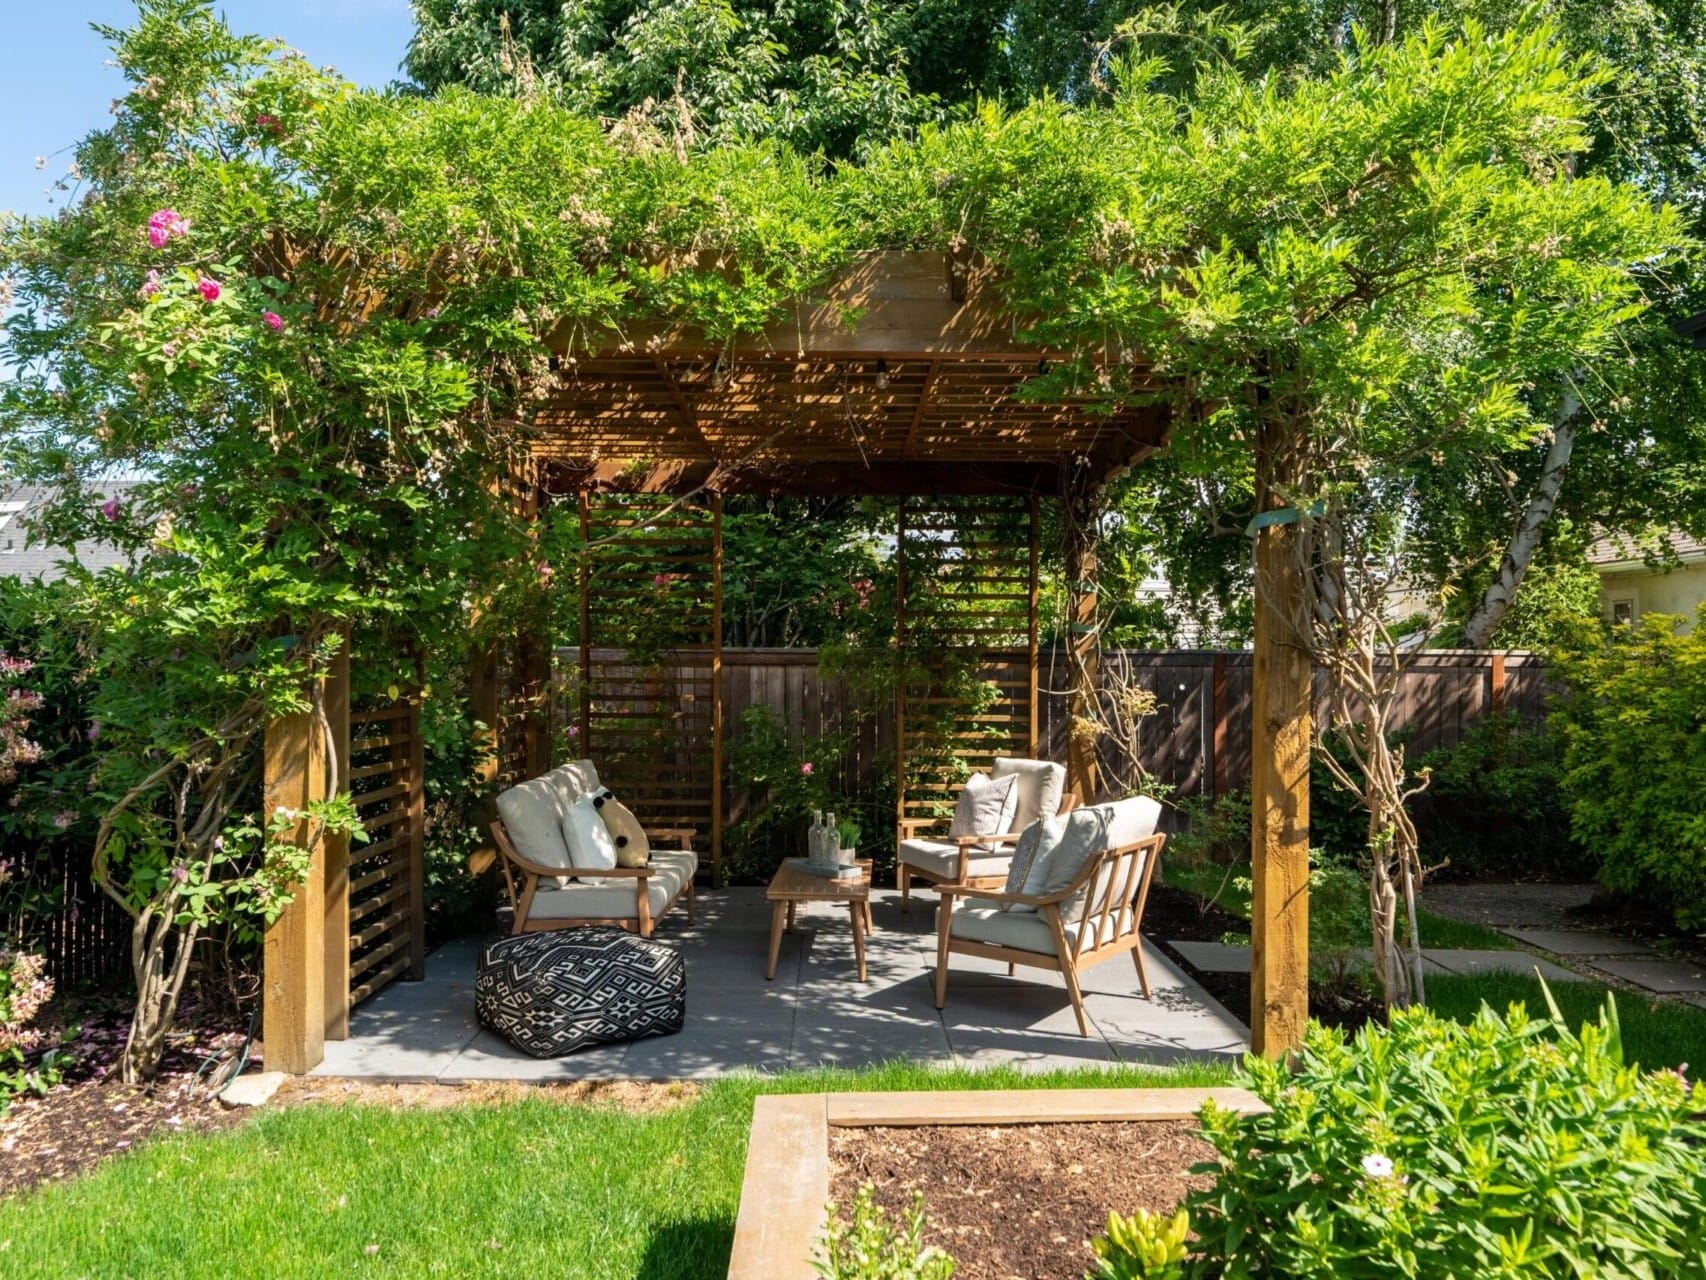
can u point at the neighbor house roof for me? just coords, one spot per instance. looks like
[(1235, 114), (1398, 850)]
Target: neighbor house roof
[(21, 557), (1623, 549)]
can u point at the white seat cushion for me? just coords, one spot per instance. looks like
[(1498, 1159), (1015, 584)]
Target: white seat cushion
[(614, 898), (1041, 785), (533, 815), (986, 922), (943, 860)]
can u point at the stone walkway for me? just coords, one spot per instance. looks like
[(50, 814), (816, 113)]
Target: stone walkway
[(814, 1013), (1537, 916)]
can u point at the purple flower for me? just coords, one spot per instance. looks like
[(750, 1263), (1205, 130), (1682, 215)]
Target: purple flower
[(64, 818), (151, 286), (272, 320), (94, 734), (111, 509), (180, 873), (574, 731), (169, 350)]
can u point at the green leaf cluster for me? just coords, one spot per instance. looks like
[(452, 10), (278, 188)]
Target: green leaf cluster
[(1510, 1146)]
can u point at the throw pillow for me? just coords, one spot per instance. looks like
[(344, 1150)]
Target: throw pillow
[(1041, 784), (1030, 860), (590, 845), (986, 808), (632, 847)]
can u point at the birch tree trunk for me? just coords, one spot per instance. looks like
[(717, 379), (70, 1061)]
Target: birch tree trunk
[(1513, 565)]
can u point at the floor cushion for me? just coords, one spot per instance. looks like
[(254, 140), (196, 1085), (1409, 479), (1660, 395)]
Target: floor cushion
[(550, 994)]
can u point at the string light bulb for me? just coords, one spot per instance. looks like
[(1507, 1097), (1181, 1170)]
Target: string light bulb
[(882, 375)]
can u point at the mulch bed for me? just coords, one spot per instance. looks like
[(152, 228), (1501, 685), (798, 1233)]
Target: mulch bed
[(1020, 1202), (1174, 914), (90, 1116)]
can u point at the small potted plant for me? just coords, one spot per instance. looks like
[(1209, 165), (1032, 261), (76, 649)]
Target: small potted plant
[(848, 830)]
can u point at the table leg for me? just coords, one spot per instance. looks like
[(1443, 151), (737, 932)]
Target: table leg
[(776, 913), (870, 924), (790, 915), (857, 911)]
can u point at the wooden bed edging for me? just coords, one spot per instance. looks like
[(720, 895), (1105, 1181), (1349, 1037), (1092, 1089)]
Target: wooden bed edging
[(786, 1186)]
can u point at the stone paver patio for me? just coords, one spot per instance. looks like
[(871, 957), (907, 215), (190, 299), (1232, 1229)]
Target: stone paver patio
[(815, 1012)]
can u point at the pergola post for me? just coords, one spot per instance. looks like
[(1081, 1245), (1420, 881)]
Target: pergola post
[(1084, 640), (1280, 751), (533, 658), (305, 952), (716, 686)]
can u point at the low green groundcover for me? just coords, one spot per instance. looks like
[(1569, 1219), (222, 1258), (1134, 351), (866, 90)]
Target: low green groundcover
[(535, 1189)]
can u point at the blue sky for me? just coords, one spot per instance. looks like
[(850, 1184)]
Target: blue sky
[(58, 88)]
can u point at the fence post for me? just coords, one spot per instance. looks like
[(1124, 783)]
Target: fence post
[(1221, 711), (1497, 677)]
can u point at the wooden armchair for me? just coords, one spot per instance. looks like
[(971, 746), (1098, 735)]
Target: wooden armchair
[(540, 902), (1093, 918), (975, 860)]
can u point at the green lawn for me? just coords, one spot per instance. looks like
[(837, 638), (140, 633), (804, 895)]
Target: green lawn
[(1220, 884), (1656, 1033), (535, 1188)]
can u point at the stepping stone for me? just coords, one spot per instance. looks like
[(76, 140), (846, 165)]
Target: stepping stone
[(1664, 976), (1579, 942), (1468, 961), (252, 1090), (1214, 957)]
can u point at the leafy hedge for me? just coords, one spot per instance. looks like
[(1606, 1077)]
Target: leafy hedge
[(1634, 771)]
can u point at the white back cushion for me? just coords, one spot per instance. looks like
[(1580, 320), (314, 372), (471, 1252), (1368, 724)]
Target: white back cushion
[(1041, 784), (533, 815), (1096, 827), (588, 839), (986, 807), (573, 780)]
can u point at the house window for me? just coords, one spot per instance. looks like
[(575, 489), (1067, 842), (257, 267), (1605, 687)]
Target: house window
[(8, 512), (1623, 610)]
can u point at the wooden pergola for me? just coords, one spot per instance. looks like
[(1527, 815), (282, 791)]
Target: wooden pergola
[(924, 399)]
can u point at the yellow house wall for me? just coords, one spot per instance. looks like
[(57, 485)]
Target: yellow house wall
[(1680, 591)]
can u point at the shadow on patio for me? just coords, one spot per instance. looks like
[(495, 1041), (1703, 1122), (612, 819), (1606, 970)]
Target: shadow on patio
[(815, 1013)]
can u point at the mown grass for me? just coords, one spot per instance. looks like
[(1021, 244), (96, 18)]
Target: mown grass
[(534, 1188), (1221, 884), (1656, 1033)]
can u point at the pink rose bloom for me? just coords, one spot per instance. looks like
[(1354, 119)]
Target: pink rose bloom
[(110, 508), (806, 768), (209, 289), (272, 320), (165, 225), (663, 580), (151, 286)]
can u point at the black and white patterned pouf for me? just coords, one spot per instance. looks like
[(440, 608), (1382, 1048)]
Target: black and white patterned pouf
[(550, 994)]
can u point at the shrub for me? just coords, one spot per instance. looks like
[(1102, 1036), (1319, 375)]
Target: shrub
[(1496, 804), (786, 778), (1509, 1146), (1144, 1246), (870, 1247), (23, 990), (1634, 765)]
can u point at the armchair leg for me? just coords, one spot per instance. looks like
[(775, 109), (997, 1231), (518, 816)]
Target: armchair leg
[(904, 877), (1068, 970), (944, 934), (1142, 973)]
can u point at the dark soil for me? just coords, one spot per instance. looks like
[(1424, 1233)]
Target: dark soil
[(1020, 1202), (1175, 914), (89, 1116)]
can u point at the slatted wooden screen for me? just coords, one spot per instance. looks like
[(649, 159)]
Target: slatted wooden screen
[(651, 589), (387, 915), (967, 573)]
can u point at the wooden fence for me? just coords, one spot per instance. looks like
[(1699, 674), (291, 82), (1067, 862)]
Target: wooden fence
[(85, 939), (387, 906), (1197, 742)]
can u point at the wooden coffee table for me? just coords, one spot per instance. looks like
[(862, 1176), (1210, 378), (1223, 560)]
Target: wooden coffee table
[(790, 886)]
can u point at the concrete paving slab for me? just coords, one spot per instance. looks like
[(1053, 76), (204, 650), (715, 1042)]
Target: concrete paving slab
[(1214, 957), (1456, 960), (815, 1012), (1579, 942), (1667, 977)]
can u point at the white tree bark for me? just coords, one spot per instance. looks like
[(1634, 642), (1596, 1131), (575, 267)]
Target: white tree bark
[(1513, 565)]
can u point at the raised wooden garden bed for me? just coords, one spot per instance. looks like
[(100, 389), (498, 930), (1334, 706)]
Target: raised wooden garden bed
[(806, 1147)]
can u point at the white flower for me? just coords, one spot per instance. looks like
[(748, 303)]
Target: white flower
[(1377, 1166)]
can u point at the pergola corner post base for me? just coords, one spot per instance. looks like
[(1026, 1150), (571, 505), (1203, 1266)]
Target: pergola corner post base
[(305, 952)]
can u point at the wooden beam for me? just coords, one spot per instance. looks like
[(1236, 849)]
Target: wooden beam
[(920, 407), (586, 624), (1032, 628), (1279, 764), (900, 674), (689, 419), (296, 772), (891, 478), (716, 686), (335, 849), (1083, 772)]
